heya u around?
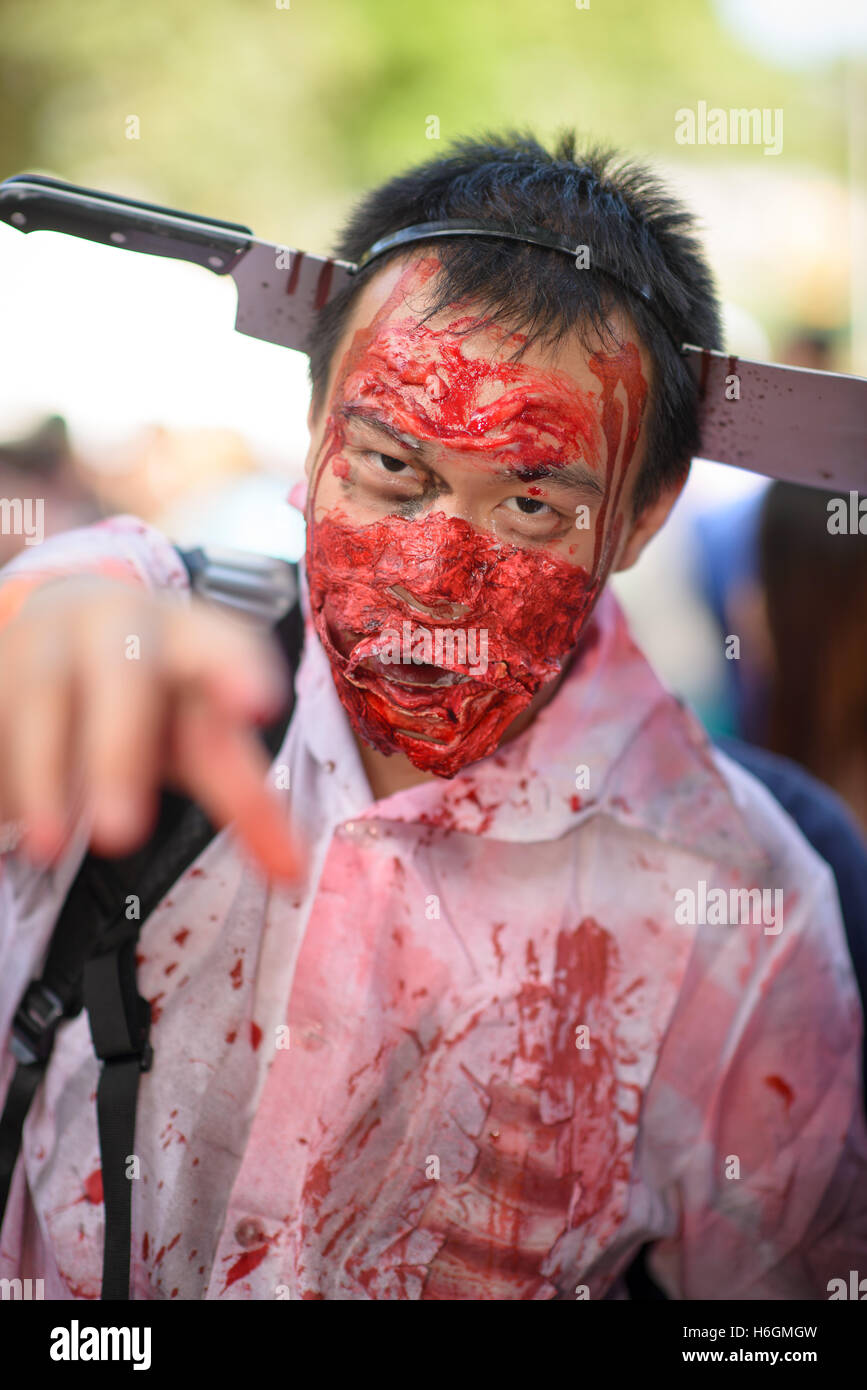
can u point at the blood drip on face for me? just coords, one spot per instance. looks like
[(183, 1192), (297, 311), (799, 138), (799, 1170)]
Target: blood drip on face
[(532, 604)]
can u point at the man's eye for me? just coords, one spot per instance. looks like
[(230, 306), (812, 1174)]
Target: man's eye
[(392, 464), (530, 506)]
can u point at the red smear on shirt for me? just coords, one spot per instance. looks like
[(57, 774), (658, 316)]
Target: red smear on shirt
[(230, 1037), (145, 1247), (156, 1011), (244, 1265), (236, 974), (498, 927), (255, 1035), (181, 936), (528, 1131), (93, 1187), (782, 1088)]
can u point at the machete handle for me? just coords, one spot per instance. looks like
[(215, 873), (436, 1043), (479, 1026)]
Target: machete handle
[(34, 202)]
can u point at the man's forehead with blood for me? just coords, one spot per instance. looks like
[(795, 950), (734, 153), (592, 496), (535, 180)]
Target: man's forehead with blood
[(451, 385), (448, 385)]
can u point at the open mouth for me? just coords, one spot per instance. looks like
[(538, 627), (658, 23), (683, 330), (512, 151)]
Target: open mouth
[(408, 674), (414, 674)]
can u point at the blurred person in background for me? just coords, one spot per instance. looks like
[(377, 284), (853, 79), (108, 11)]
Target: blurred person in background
[(728, 578), (40, 468), (814, 614)]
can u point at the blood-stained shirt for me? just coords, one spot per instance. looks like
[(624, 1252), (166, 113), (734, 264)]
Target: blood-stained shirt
[(507, 1029)]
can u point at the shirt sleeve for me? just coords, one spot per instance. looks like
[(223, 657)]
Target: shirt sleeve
[(121, 547), (766, 1181), (31, 896)]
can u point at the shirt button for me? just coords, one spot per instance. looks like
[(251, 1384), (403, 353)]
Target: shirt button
[(249, 1232)]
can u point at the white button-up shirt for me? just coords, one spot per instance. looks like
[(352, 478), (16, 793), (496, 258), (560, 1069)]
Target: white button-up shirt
[(488, 1047)]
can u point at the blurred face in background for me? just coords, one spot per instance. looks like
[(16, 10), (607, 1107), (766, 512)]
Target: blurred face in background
[(465, 509)]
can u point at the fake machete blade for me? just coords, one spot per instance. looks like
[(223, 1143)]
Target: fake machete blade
[(792, 423), (280, 292)]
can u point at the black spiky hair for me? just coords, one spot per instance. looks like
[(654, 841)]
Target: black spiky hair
[(618, 208)]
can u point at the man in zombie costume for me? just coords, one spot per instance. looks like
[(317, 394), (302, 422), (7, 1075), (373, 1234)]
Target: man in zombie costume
[(480, 1047)]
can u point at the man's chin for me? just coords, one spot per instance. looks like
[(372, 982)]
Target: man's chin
[(437, 737)]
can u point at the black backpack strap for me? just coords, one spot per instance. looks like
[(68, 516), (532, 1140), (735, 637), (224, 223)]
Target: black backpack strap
[(91, 958), (55, 996), (120, 1017)]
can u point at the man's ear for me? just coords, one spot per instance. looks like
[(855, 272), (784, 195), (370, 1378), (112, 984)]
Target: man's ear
[(649, 521)]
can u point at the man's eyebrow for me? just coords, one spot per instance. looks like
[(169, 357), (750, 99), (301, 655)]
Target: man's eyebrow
[(377, 421), (577, 477)]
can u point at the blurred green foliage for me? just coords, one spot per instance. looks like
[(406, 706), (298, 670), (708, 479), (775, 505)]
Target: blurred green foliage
[(277, 117)]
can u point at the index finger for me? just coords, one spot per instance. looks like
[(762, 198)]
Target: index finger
[(223, 766)]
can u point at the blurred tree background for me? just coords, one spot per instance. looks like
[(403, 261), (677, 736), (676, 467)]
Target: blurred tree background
[(277, 116), (277, 113)]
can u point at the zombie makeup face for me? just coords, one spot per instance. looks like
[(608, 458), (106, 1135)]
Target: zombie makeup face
[(461, 502)]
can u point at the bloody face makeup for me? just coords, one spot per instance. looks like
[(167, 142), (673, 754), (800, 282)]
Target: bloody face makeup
[(466, 530)]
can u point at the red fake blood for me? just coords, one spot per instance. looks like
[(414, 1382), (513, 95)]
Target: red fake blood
[(236, 974), (523, 1162), (782, 1088), (622, 380), (294, 272), (145, 1247), (93, 1187), (532, 604), (255, 1035), (244, 1265), (495, 934), (181, 936), (323, 285)]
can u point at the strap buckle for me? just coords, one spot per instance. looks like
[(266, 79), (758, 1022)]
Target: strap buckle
[(35, 1023)]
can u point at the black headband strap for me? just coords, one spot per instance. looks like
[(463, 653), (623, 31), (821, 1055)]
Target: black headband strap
[(533, 236)]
